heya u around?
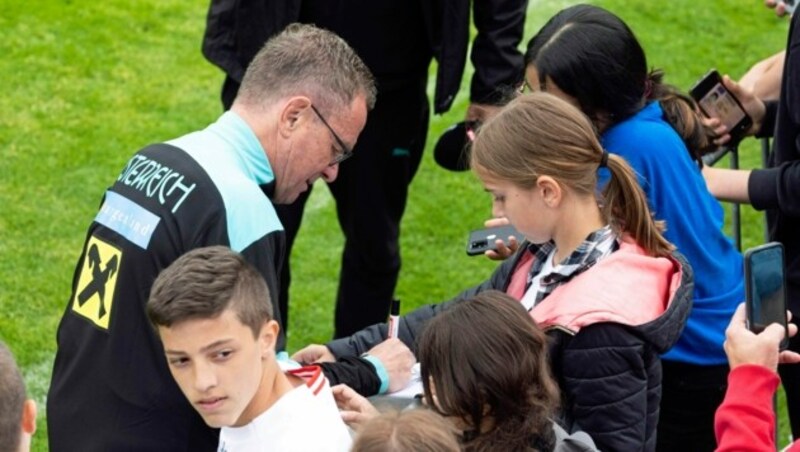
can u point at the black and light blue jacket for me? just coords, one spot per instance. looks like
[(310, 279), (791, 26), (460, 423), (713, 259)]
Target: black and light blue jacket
[(111, 388)]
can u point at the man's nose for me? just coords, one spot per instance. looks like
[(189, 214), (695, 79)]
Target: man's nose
[(329, 174)]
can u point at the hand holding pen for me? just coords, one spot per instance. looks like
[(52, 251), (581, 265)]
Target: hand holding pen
[(394, 320)]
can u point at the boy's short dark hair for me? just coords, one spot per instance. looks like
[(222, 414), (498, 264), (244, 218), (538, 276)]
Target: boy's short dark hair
[(12, 400), (203, 283)]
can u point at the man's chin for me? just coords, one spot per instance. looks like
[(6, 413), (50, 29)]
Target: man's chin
[(289, 197), (282, 198)]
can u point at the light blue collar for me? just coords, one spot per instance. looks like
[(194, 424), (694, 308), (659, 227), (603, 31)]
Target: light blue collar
[(232, 128)]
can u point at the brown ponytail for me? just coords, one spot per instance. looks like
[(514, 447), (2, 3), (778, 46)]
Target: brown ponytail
[(682, 113), (540, 134), (625, 207)]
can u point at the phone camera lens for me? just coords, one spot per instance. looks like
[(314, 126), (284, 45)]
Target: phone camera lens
[(479, 243)]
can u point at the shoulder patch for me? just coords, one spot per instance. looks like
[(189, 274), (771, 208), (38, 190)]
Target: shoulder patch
[(127, 219), (94, 295)]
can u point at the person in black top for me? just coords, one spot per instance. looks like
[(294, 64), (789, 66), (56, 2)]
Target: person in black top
[(775, 189), (111, 389)]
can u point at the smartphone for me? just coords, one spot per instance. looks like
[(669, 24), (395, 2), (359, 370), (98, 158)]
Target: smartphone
[(789, 5), (717, 102), (765, 288), (481, 240)]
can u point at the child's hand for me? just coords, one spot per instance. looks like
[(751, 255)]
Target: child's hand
[(314, 353), (354, 408), (502, 249)]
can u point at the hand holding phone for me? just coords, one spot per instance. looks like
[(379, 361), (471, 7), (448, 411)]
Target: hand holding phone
[(745, 348), (482, 240), (765, 288), (716, 101)]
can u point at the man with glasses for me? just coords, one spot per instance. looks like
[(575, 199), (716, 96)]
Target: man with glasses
[(344, 152), (397, 40), (111, 389)]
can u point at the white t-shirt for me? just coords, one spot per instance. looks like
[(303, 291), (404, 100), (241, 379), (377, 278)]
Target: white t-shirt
[(304, 419)]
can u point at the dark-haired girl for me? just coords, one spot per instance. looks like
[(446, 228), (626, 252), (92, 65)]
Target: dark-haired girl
[(497, 382), (495, 387)]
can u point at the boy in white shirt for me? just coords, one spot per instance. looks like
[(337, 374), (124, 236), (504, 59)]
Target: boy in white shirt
[(213, 313)]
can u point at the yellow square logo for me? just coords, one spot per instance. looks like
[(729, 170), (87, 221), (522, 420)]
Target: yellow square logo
[(94, 296)]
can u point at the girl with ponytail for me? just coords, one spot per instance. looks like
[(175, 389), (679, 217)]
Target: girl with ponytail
[(591, 58), (597, 275)]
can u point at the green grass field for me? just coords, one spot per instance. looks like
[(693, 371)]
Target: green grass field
[(89, 83)]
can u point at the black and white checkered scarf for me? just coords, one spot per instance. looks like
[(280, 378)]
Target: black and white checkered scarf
[(596, 246)]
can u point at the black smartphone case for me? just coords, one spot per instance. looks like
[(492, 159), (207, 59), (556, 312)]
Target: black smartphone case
[(748, 286)]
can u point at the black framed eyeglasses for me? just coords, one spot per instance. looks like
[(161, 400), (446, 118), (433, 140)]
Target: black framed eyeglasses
[(346, 152)]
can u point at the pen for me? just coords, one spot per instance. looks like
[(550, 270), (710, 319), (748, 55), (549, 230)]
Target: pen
[(394, 319)]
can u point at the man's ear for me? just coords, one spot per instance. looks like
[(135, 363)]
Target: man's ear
[(292, 114), (268, 337), (550, 190), (29, 417)]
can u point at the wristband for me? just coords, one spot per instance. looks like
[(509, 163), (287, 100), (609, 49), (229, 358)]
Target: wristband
[(380, 370)]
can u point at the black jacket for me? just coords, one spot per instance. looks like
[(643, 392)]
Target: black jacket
[(776, 189), (236, 30), (609, 373), (111, 387)]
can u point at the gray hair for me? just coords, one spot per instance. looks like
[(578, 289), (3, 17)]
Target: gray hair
[(304, 59)]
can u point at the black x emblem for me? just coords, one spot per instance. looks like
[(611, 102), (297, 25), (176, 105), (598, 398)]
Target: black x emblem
[(99, 279)]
